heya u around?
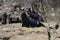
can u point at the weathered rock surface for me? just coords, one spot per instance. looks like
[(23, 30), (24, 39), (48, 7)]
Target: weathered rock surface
[(10, 30), (32, 36), (57, 39), (16, 32)]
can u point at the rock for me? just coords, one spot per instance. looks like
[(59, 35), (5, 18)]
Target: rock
[(6, 29), (9, 30), (58, 33), (30, 37), (50, 24), (1, 35), (53, 36), (15, 29), (1, 39), (58, 30), (27, 30), (42, 30), (57, 39), (34, 30)]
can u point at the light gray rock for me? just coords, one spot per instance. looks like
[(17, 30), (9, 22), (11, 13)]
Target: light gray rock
[(58, 31), (40, 30), (57, 39), (30, 37), (10, 30), (53, 36), (1, 39), (50, 24)]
